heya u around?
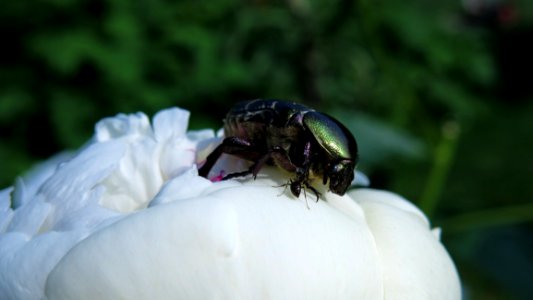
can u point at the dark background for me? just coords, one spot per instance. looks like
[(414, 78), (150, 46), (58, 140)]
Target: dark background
[(437, 93)]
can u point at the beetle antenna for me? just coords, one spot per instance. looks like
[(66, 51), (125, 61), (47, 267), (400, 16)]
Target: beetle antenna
[(285, 185)]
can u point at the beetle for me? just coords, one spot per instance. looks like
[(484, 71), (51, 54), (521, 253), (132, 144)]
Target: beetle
[(291, 136)]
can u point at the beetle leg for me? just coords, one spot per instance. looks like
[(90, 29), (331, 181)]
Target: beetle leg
[(307, 153), (230, 145), (277, 151), (237, 174), (302, 172), (304, 181), (256, 167), (317, 194), (296, 187)]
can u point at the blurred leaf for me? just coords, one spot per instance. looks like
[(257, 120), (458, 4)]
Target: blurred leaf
[(379, 142), (13, 105), (65, 51), (72, 120)]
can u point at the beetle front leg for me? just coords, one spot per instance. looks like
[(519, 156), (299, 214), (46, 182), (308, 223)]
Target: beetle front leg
[(317, 193), (303, 171)]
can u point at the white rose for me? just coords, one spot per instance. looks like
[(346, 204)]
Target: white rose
[(127, 217)]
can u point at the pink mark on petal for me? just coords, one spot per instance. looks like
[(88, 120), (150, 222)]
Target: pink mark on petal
[(219, 177)]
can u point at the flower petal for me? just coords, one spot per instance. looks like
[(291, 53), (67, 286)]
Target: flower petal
[(170, 124), (6, 213), (185, 186), (26, 262), (236, 242), (129, 217), (415, 264), (122, 126)]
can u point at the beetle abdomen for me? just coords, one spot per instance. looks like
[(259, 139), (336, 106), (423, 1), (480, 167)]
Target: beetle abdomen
[(273, 112), (249, 130)]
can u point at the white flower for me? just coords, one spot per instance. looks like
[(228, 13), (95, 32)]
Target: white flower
[(128, 217)]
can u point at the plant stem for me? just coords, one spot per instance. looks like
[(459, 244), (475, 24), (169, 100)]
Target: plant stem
[(444, 154), (498, 216)]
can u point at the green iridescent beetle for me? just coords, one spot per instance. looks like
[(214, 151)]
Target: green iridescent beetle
[(293, 137)]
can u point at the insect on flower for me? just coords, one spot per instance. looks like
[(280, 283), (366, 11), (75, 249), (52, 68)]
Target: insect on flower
[(293, 137)]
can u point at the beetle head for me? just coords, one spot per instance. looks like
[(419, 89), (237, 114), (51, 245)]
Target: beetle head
[(340, 176)]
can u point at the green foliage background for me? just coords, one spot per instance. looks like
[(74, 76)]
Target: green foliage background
[(421, 84)]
